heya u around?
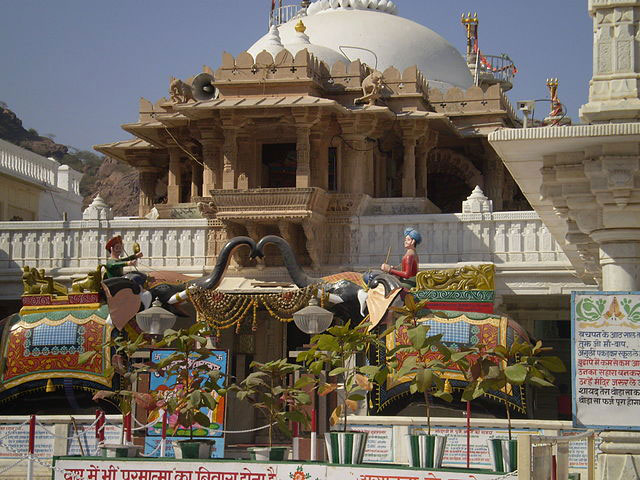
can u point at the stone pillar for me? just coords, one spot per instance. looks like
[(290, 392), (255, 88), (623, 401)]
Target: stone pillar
[(147, 178), (614, 92), (230, 151), (409, 166), (196, 179), (303, 171), (494, 178), (353, 171), (620, 260), (319, 165), (211, 172), (620, 458), (174, 187)]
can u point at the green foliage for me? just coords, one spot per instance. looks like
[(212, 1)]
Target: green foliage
[(337, 349), (267, 389), (123, 348), (416, 360), (497, 368), (196, 386)]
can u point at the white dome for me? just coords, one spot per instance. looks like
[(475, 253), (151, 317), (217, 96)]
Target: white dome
[(396, 41)]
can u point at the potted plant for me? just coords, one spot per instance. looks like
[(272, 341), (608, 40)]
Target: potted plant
[(267, 389), (192, 389), (499, 368), (337, 348), (414, 358), (123, 349)]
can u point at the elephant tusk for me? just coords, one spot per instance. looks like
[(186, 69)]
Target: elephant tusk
[(180, 296)]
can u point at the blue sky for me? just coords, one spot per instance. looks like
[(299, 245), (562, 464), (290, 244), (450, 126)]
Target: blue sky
[(77, 68)]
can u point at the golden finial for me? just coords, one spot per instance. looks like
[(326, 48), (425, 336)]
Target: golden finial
[(447, 386), (300, 27), (50, 388)]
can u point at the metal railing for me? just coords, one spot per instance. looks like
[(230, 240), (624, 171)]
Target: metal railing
[(283, 14)]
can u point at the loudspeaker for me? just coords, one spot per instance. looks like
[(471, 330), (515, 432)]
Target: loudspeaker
[(203, 88)]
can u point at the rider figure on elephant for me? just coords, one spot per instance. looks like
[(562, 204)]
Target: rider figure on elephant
[(409, 266), (115, 264)]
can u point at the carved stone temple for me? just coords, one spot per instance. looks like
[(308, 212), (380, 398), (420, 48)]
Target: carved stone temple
[(282, 148)]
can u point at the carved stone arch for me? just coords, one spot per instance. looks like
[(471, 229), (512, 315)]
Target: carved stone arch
[(451, 178), (444, 160)]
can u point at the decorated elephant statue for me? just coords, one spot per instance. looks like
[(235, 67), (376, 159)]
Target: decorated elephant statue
[(41, 344)]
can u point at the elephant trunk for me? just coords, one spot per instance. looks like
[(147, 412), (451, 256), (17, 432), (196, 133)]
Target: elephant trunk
[(296, 273), (213, 280)]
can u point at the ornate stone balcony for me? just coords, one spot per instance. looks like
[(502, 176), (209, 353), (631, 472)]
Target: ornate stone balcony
[(265, 205)]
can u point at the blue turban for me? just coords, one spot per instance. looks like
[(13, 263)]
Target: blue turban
[(414, 234)]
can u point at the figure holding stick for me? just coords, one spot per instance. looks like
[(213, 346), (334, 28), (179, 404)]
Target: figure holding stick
[(409, 266)]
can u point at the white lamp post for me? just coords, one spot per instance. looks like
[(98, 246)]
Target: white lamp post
[(313, 319), (155, 320)]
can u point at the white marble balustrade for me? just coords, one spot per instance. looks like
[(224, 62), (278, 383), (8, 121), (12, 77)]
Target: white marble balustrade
[(78, 246), (502, 238), (21, 163)]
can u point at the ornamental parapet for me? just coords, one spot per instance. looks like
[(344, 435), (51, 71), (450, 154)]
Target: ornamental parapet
[(264, 205)]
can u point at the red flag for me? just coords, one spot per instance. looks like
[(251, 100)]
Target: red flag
[(273, 5)]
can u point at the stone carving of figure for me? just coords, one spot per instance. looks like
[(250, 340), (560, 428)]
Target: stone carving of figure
[(179, 91), (371, 88), (409, 266)]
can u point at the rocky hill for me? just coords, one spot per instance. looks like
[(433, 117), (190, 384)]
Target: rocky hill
[(116, 182)]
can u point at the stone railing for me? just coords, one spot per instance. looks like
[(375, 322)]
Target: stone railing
[(34, 168), (500, 238), (72, 248)]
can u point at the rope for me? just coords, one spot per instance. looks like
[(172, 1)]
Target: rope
[(153, 452), (6, 469), (13, 430), (72, 437), (142, 426), (247, 431)]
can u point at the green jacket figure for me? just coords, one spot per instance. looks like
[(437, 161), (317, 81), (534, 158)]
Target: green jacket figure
[(115, 265)]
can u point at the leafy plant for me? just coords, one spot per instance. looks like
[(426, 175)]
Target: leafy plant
[(196, 386), (266, 389), (337, 348), (499, 367), (415, 359), (123, 349)]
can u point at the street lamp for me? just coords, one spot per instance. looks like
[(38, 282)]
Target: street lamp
[(155, 320), (313, 319)]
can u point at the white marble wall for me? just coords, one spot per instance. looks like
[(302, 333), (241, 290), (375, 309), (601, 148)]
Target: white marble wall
[(72, 248), (501, 238), (60, 184)]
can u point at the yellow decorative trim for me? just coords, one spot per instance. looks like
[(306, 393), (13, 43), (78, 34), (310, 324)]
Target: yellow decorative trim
[(57, 308), (90, 377), (54, 323), (468, 277)]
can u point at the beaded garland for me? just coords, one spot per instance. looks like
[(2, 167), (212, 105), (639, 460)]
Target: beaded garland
[(225, 310)]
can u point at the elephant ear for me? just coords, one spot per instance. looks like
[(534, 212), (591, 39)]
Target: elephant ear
[(122, 306), (378, 304)]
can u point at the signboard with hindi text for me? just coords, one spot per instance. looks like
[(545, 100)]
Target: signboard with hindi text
[(171, 469), (605, 337)]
